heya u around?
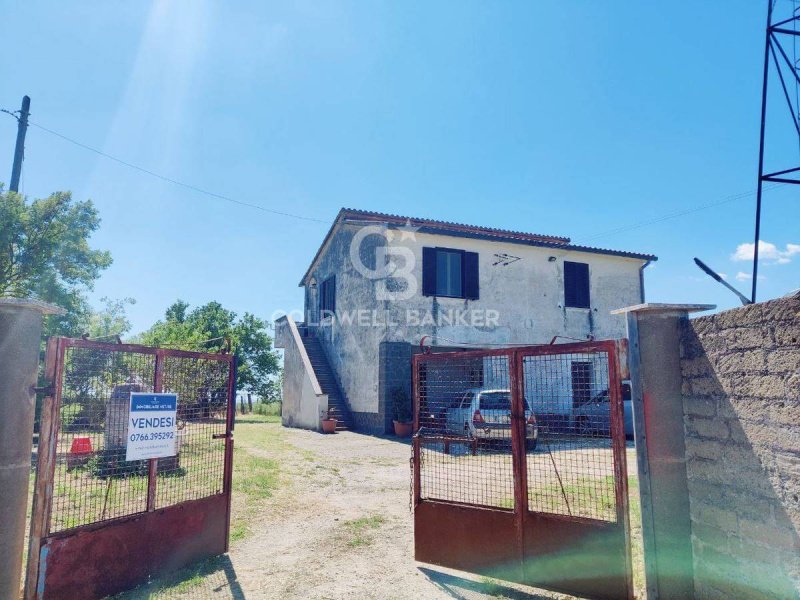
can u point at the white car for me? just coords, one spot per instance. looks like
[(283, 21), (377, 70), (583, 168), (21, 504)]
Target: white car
[(485, 414)]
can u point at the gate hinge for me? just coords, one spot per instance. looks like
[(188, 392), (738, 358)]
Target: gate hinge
[(47, 390)]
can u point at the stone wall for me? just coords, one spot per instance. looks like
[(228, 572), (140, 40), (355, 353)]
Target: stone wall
[(741, 392)]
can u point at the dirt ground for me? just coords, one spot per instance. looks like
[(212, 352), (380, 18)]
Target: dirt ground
[(337, 525)]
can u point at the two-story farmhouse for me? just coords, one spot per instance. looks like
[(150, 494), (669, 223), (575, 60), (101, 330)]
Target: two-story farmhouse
[(380, 286)]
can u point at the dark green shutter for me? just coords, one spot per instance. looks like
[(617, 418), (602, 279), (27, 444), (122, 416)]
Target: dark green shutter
[(428, 271), (576, 284), (471, 278)]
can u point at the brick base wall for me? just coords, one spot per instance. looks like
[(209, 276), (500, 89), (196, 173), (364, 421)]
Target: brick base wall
[(741, 390)]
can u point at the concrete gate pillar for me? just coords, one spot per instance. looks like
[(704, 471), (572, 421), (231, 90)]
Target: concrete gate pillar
[(20, 336), (654, 356)]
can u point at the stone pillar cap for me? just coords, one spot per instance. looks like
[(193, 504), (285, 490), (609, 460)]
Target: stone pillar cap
[(28, 303), (660, 307)]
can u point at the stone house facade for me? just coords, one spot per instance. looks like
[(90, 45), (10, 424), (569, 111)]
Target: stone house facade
[(380, 286)]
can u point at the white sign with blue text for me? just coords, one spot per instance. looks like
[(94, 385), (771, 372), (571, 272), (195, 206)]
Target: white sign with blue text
[(151, 426)]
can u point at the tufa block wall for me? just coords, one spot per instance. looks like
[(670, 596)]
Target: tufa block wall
[(741, 393)]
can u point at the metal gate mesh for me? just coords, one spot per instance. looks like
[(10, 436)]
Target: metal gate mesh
[(202, 388), (464, 429), (91, 480), (463, 460), (572, 470)]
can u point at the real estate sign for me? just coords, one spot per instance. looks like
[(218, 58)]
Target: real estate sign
[(151, 426)]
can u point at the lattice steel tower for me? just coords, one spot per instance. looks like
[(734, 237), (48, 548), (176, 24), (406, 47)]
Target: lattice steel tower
[(780, 67)]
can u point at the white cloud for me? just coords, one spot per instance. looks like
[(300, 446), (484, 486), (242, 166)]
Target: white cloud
[(767, 252), (742, 276)]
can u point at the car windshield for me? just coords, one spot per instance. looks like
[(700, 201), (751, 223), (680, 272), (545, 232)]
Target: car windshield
[(496, 400)]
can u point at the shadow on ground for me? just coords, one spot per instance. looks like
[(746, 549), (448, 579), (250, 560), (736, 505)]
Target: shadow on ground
[(468, 589), (213, 579)]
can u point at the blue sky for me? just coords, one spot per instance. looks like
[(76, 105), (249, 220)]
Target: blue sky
[(567, 118)]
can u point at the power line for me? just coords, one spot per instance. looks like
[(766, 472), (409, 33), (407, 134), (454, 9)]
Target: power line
[(174, 181), (679, 213), (653, 221)]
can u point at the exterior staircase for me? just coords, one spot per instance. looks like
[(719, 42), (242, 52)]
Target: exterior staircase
[(327, 381)]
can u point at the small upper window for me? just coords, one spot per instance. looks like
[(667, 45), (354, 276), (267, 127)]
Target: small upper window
[(576, 284), (327, 297)]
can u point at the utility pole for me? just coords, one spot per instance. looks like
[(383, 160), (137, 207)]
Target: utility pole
[(19, 149)]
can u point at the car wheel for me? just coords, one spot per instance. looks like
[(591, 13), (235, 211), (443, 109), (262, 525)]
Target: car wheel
[(532, 444)]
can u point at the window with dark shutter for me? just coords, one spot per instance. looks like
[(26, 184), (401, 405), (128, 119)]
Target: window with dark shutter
[(327, 297), (576, 284), (450, 273)]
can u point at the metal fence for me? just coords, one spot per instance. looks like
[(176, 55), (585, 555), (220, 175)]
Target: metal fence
[(535, 433), (83, 477)]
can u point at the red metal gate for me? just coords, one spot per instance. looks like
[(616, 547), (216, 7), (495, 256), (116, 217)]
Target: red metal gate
[(101, 524), (519, 466)]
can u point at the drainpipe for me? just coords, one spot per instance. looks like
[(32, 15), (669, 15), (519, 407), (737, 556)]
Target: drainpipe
[(20, 336), (641, 280)]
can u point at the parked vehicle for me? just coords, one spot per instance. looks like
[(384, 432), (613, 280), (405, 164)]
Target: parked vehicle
[(485, 414), (594, 416)]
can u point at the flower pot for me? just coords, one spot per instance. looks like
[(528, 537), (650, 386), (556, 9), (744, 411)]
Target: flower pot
[(328, 425), (402, 429)]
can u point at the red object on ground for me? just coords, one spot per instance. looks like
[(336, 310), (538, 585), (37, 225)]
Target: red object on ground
[(81, 445)]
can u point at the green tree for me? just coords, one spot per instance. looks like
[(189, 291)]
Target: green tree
[(111, 320), (210, 328), (45, 253)]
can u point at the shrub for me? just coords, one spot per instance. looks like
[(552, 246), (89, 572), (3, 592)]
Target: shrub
[(401, 405)]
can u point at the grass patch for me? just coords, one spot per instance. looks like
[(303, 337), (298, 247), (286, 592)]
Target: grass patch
[(637, 549), (271, 409), (256, 419), (259, 469), (254, 476), (359, 531), (179, 583), (591, 497), (239, 530), (493, 587)]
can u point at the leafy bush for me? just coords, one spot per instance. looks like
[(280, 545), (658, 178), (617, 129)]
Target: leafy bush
[(401, 405)]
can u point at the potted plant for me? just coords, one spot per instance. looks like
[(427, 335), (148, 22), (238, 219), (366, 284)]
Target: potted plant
[(329, 421), (403, 419)]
